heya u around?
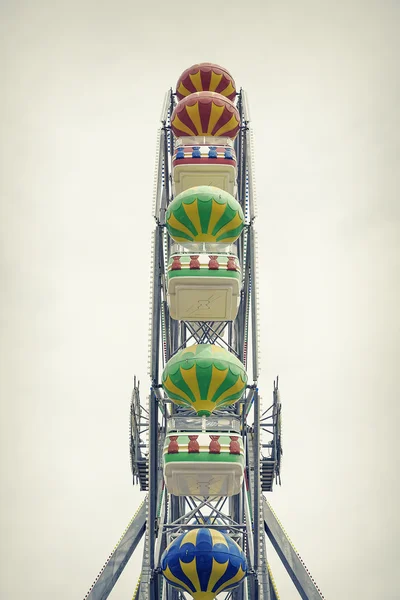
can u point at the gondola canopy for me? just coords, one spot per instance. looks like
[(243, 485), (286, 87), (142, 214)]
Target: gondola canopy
[(204, 214), (204, 377), (205, 114), (206, 77), (204, 562)]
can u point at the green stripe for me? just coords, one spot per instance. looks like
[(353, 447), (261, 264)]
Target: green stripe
[(204, 375), (178, 380), (182, 217), (225, 218), (176, 233), (228, 382), (232, 233), (179, 400), (204, 209), (204, 273), (233, 398)]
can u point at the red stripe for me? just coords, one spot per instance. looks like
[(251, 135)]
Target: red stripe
[(231, 133), (222, 84), (202, 161), (224, 118), (206, 78), (184, 117), (205, 106), (187, 82)]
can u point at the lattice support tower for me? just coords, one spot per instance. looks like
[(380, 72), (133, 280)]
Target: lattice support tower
[(247, 516)]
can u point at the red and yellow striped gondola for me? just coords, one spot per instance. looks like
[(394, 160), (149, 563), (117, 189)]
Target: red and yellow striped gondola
[(205, 114), (204, 77)]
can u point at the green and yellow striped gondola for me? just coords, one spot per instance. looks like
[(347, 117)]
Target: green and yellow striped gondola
[(204, 377), (205, 214)]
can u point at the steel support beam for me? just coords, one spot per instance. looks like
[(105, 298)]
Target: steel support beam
[(109, 575), (153, 413), (253, 293), (256, 482), (306, 587)]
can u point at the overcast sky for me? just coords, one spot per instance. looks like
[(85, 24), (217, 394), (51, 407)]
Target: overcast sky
[(82, 89)]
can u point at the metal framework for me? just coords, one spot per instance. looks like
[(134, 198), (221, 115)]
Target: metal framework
[(247, 517)]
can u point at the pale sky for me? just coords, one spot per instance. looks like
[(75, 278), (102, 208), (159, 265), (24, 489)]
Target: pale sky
[(83, 86)]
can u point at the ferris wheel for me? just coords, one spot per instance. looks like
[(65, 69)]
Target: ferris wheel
[(203, 444)]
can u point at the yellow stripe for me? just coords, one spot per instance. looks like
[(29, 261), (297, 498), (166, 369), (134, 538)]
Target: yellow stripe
[(190, 378), (173, 222), (217, 378), (238, 577), (182, 90), (204, 405), (216, 213), (217, 571), (196, 80), (231, 124), (168, 575), (194, 114), (181, 126), (218, 538), (192, 211), (190, 537), (215, 79), (226, 240), (171, 387), (239, 385), (190, 570), (216, 112), (181, 403), (217, 350), (235, 222), (183, 240), (228, 90)]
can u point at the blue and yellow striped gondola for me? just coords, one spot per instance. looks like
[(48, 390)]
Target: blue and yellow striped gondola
[(204, 562)]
